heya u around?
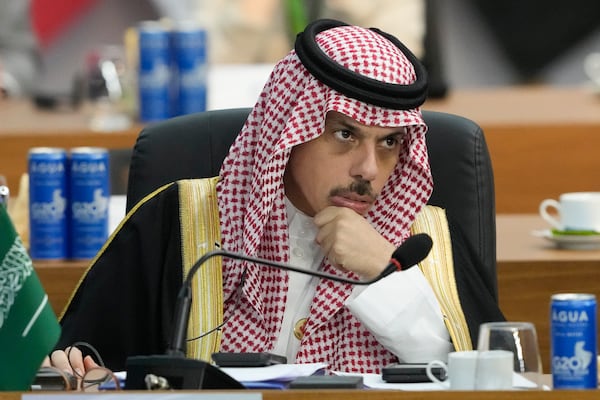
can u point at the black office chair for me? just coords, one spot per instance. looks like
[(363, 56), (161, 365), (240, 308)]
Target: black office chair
[(194, 146)]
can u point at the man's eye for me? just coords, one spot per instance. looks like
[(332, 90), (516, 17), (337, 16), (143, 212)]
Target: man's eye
[(343, 134), (391, 142)]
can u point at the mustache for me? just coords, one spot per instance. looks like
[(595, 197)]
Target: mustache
[(360, 186)]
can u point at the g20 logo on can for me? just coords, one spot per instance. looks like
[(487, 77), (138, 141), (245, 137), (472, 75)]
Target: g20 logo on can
[(575, 365)]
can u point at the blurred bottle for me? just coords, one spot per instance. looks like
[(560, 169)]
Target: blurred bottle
[(591, 66), (191, 75), (107, 89), (155, 72)]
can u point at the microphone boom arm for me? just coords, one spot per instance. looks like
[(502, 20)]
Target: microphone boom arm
[(184, 298), (413, 250)]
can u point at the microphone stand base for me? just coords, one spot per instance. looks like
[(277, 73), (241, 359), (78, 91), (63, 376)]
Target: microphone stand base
[(181, 373)]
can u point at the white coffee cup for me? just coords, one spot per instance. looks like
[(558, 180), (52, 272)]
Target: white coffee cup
[(576, 211), (460, 370), (475, 370), (494, 370)]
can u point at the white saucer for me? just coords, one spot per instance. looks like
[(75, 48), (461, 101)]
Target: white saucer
[(573, 242)]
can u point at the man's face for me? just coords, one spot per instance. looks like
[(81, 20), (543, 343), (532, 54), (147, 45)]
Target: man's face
[(347, 166)]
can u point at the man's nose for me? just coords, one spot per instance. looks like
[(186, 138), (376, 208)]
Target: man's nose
[(365, 164)]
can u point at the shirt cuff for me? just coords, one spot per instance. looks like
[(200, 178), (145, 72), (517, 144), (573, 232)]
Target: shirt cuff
[(404, 315)]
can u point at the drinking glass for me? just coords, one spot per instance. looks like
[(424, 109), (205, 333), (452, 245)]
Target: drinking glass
[(521, 339)]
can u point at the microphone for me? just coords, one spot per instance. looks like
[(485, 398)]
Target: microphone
[(176, 366), (411, 252)]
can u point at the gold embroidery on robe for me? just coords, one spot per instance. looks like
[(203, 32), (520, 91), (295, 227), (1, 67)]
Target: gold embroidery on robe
[(200, 230), (438, 269)]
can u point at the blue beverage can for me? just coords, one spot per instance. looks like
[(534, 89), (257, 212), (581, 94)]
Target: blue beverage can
[(90, 194), (189, 50), (574, 341), (155, 72), (48, 199)]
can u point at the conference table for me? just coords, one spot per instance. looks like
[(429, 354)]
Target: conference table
[(531, 269), (333, 394)]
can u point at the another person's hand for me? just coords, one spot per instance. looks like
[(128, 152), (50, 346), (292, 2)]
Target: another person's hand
[(78, 364), (351, 243)]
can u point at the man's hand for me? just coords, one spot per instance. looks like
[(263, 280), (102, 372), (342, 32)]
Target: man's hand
[(351, 243)]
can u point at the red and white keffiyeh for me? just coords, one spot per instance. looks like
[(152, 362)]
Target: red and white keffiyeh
[(291, 110)]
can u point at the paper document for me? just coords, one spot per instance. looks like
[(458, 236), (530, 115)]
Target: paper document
[(278, 372)]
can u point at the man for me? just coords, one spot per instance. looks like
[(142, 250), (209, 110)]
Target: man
[(327, 179)]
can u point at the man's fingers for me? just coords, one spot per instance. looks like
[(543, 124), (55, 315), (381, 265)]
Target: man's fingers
[(324, 237), (326, 215)]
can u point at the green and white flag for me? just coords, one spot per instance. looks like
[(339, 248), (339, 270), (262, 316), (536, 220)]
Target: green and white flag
[(29, 329)]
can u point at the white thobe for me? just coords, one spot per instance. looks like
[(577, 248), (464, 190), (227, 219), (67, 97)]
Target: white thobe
[(400, 310)]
